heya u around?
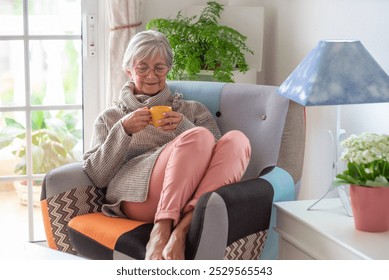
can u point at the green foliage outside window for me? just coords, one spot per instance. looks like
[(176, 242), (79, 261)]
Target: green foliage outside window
[(54, 140)]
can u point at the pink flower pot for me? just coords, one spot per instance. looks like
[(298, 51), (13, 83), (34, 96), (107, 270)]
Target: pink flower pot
[(370, 208)]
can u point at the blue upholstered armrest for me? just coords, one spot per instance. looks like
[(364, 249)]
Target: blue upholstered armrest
[(284, 190), (282, 182)]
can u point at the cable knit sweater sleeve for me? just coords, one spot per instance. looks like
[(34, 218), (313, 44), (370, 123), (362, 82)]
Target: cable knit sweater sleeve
[(108, 151)]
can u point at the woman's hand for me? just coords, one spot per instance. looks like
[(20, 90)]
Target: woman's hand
[(136, 121), (170, 121)]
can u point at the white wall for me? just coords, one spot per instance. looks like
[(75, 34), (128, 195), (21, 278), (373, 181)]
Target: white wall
[(300, 25), (292, 29)]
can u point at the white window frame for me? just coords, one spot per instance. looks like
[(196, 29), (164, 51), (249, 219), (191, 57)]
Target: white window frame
[(95, 68), (93, 80)]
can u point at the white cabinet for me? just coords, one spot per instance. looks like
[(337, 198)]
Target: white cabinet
[(326, 232)]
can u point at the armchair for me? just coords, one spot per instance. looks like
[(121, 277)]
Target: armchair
[(233, 222)]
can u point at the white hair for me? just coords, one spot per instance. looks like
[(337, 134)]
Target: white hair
[(146, 44)]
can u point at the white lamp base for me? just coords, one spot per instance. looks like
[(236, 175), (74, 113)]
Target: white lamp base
[(342, 192)]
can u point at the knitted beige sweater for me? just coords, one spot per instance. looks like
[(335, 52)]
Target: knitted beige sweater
[(124, 163)]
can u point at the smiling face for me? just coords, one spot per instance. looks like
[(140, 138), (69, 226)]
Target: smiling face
[(148, 83)]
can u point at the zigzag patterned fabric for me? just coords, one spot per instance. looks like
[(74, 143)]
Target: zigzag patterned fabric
[(247, 248), (63, 207)]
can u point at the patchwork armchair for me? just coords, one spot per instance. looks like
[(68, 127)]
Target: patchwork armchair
[(233, 222)]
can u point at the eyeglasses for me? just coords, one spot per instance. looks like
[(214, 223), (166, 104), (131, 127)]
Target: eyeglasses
[(160, 70)]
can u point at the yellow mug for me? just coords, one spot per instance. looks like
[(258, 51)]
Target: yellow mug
[(157, 113)]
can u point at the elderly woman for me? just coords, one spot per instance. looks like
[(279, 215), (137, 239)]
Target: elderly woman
[(157, 174)]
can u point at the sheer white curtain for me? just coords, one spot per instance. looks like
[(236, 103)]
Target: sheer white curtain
[(125, 20)]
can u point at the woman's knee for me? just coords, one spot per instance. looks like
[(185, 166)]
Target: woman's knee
[(199, 138), (235, 140)]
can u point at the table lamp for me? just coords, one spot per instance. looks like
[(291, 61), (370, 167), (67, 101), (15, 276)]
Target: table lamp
[(337, 72)]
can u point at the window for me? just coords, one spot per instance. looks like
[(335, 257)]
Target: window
[(46, 72)]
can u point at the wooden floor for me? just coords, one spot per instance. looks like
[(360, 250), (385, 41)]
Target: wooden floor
[(14, 233)]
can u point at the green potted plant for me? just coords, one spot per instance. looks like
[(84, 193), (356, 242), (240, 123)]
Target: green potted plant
[(201, 43), (54, 138), (367, 173)]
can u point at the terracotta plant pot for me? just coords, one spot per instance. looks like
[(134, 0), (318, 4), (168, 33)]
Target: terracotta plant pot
[(370, 208)]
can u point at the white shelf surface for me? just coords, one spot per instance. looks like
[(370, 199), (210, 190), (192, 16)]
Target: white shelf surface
[(327, 232)]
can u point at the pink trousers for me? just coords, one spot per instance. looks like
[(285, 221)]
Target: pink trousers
[(189, 166)]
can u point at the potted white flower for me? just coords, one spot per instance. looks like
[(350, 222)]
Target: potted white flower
[(367, 157)]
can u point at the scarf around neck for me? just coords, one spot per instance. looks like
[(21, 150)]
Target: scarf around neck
[(128, 101)]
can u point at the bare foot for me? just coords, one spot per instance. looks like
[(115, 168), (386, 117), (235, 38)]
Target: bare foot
[(159, 237), (175, 248)]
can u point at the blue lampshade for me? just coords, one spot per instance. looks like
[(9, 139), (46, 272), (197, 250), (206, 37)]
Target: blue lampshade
[(336, 73)]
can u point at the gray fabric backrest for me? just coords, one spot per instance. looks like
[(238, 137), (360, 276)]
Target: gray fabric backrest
[(274, 124)]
